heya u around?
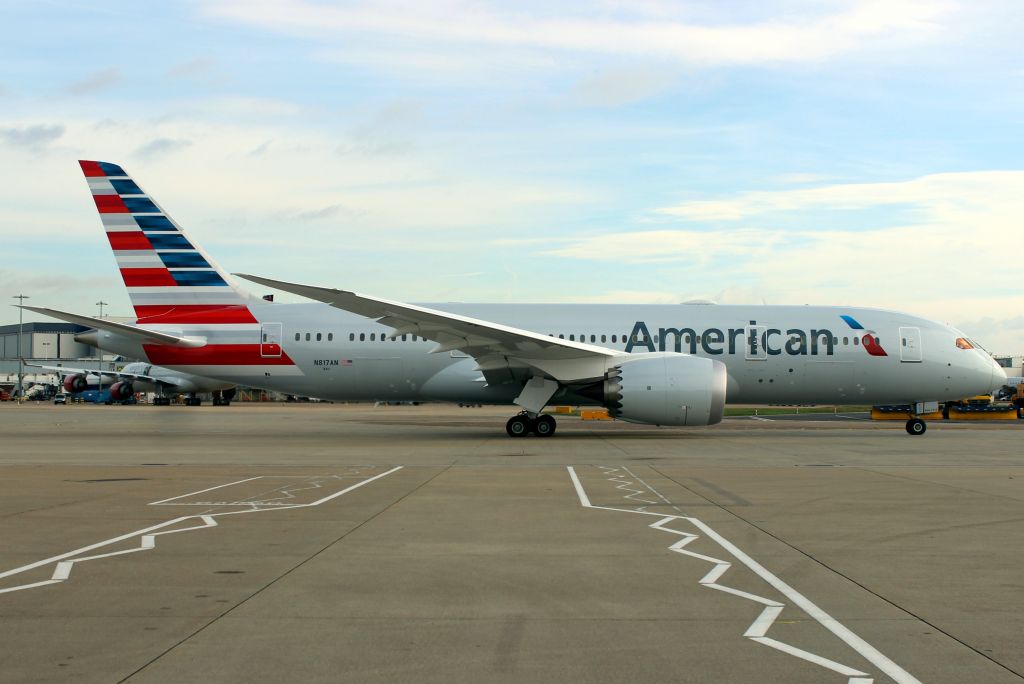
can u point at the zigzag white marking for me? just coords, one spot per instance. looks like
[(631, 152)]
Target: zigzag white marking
[(147, 536), (761, 625), (146, 542), (772, 608), (624, 486)]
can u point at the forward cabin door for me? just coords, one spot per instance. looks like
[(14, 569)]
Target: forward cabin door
[(910, 345), (270, 340)]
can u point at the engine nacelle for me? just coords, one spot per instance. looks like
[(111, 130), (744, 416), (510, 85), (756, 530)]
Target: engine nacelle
[(75, 383), (120, 391), (664, 388)]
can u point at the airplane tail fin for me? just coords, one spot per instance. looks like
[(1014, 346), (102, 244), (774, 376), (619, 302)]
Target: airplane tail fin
[(170, 279)]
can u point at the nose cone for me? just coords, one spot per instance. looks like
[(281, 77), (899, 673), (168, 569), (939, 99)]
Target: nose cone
[(998, 377)]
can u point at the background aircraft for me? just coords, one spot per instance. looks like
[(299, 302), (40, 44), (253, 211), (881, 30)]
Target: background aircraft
[(144, 377), (660, 365)]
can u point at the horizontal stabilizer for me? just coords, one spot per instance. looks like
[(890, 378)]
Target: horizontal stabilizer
[(147, 336)]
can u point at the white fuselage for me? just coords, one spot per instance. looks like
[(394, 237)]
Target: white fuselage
[(773, 354)]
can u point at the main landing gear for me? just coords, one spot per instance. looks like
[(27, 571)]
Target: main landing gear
[(523, 424), (916, 426)]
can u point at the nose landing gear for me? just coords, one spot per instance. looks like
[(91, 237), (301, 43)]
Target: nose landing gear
[(916, 426), (523, 424)]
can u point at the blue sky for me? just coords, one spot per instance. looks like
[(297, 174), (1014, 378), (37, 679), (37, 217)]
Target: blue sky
[(851, 152)]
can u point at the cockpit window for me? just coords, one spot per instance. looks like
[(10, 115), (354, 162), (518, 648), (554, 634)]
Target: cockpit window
[(963, 343)]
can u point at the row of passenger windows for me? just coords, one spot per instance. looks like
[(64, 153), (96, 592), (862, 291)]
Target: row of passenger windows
[(373, 337), (642, 339)]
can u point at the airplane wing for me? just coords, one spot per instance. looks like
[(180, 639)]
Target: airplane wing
[(147, 336), (498, 349), (66, 370)]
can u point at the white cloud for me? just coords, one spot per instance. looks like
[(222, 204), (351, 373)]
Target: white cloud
[(620, 86), (95, 82), (641, 30), (34, 136), (415, 199), (954, 264), (942, 196), (160, 147), (658, 246)]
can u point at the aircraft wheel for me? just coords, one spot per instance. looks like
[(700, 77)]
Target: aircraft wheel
[(544, 426), (518, 426), (916, 426)]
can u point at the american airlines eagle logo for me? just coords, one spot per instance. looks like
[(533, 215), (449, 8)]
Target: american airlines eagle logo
[(869, 339)]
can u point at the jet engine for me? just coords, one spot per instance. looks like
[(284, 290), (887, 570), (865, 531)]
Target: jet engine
[(120, 391), (75, 383), (666, 389)]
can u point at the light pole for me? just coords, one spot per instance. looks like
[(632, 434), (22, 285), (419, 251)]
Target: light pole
[(99, 352), (21, 312)]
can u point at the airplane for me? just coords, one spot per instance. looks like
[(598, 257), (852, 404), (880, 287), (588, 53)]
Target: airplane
[(140, 376), (666, 365)]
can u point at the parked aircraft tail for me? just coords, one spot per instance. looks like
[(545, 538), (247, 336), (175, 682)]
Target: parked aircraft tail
[(170, 279)]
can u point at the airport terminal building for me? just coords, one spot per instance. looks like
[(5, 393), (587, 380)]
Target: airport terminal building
[(41, 342)]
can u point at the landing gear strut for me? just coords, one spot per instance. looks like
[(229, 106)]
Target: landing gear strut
[(522, 424), (916, 426)]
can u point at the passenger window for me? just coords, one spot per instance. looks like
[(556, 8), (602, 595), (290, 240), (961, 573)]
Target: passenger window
[(351, 337), (373, 336), (330, 337), (846, 341), (856, 341), (319, 337), (307, 337), (614, 339), (362, 337), (572, 338), (904, 341), (296, 337), (561, 336), (604, 338), (593, 338), (403, 337)]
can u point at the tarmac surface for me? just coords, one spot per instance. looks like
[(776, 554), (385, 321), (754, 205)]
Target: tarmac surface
[(421, 544)]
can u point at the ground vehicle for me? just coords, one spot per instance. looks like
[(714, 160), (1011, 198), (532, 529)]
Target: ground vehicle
[(60, 399)]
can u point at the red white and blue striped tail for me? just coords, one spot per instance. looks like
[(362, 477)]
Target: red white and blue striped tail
[(170, 279)]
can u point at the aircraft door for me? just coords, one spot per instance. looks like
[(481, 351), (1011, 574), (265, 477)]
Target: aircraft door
[(754, 343), (910, 345), (270, 340)]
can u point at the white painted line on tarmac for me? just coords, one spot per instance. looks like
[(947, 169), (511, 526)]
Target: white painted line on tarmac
[(147, 536), (208, 489), (759, 628)]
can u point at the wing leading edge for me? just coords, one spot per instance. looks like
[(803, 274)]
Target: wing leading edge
[(497, 348)]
